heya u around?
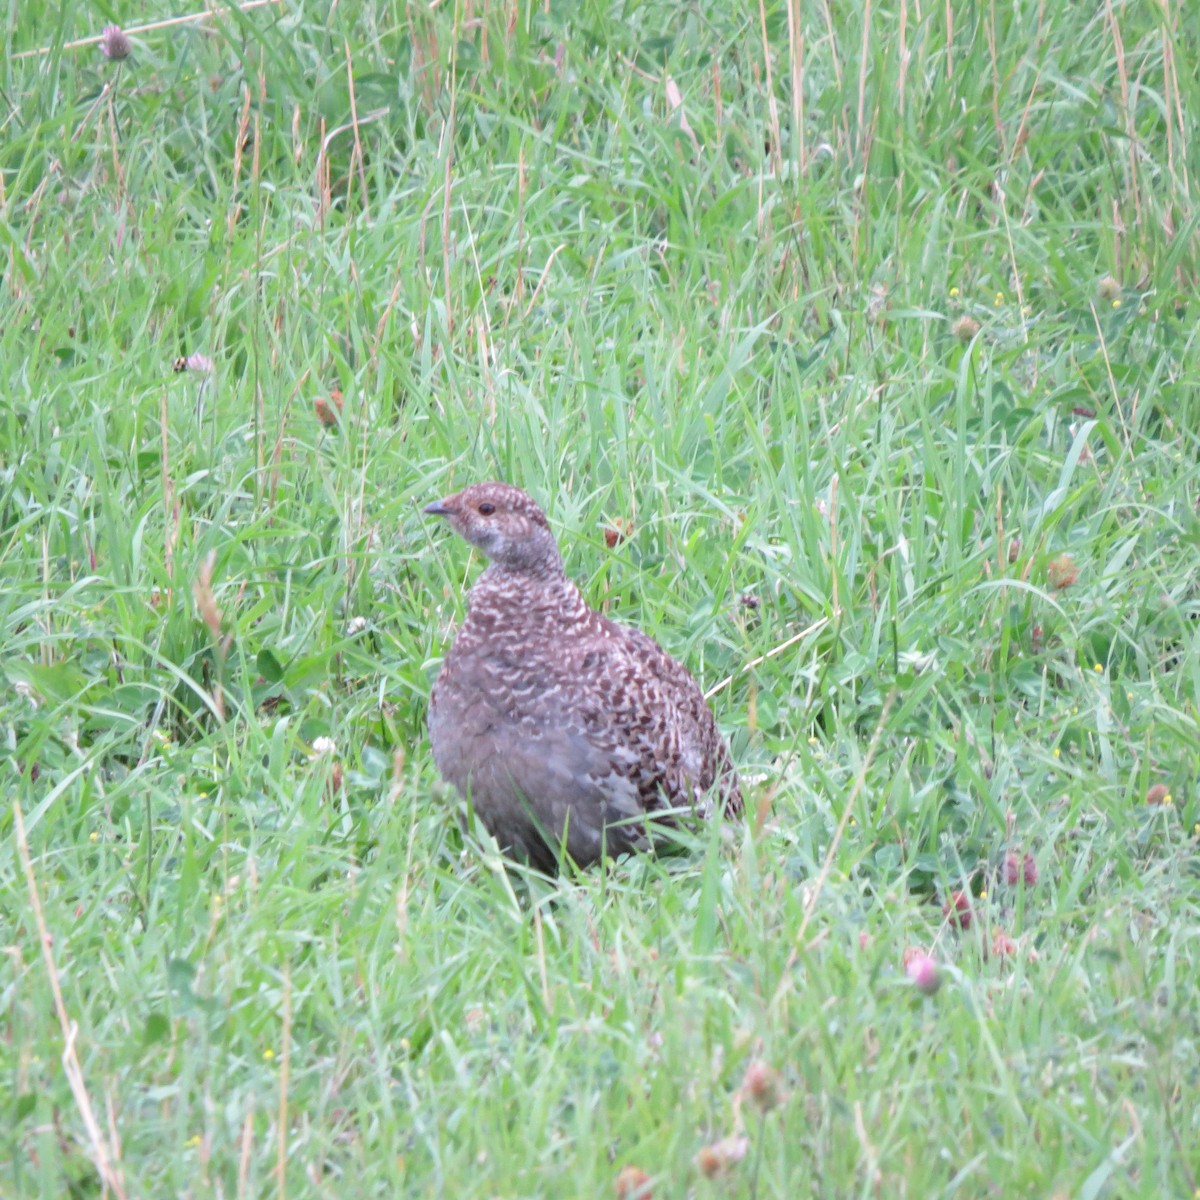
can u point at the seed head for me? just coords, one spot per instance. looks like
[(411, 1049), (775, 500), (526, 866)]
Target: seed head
[(719, 1157), (329, 411), (617, 531), (1002, 944), (762, 1086), (1011, 870), (965, 328), (1062, 572), (958, 910), (633, 1184)]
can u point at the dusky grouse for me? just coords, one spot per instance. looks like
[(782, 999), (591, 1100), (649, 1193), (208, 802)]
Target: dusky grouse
[(563, 728)]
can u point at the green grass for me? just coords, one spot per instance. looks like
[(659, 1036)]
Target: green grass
[(290, 973)]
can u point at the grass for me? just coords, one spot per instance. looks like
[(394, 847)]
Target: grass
[(854, 386)]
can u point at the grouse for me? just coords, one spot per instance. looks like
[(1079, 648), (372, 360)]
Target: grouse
[(563, 729)]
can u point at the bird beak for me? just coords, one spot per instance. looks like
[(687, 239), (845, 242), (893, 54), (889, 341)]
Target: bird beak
[(439, 508)]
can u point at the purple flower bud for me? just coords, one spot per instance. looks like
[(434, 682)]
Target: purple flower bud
[(114, 44)]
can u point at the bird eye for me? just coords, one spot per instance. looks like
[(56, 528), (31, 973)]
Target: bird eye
[(487, 508)]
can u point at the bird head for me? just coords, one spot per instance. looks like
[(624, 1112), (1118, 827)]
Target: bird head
[(504, 523)]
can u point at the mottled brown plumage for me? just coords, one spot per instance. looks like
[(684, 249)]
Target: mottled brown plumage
[(561, 726)]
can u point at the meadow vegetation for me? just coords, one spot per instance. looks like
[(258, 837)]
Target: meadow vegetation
[(852, 350)]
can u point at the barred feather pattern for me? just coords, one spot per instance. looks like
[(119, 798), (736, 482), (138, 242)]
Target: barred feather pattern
[(562, 728)]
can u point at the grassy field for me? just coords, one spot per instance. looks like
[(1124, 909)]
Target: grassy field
[(865, 333)]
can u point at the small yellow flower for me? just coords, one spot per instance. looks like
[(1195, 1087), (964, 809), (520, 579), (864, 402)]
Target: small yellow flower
[(1098, 669), (1128, 695), (1168, 799), (1116, 304), (94, 836), (999, 299), (953, 293), (1196, 829), (194, 1141), (812, 741), (1057, 752), (983, 894), (268, 1054)]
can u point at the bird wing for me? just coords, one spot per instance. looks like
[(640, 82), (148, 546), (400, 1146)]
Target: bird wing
[(624, 696), (609, 708)]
